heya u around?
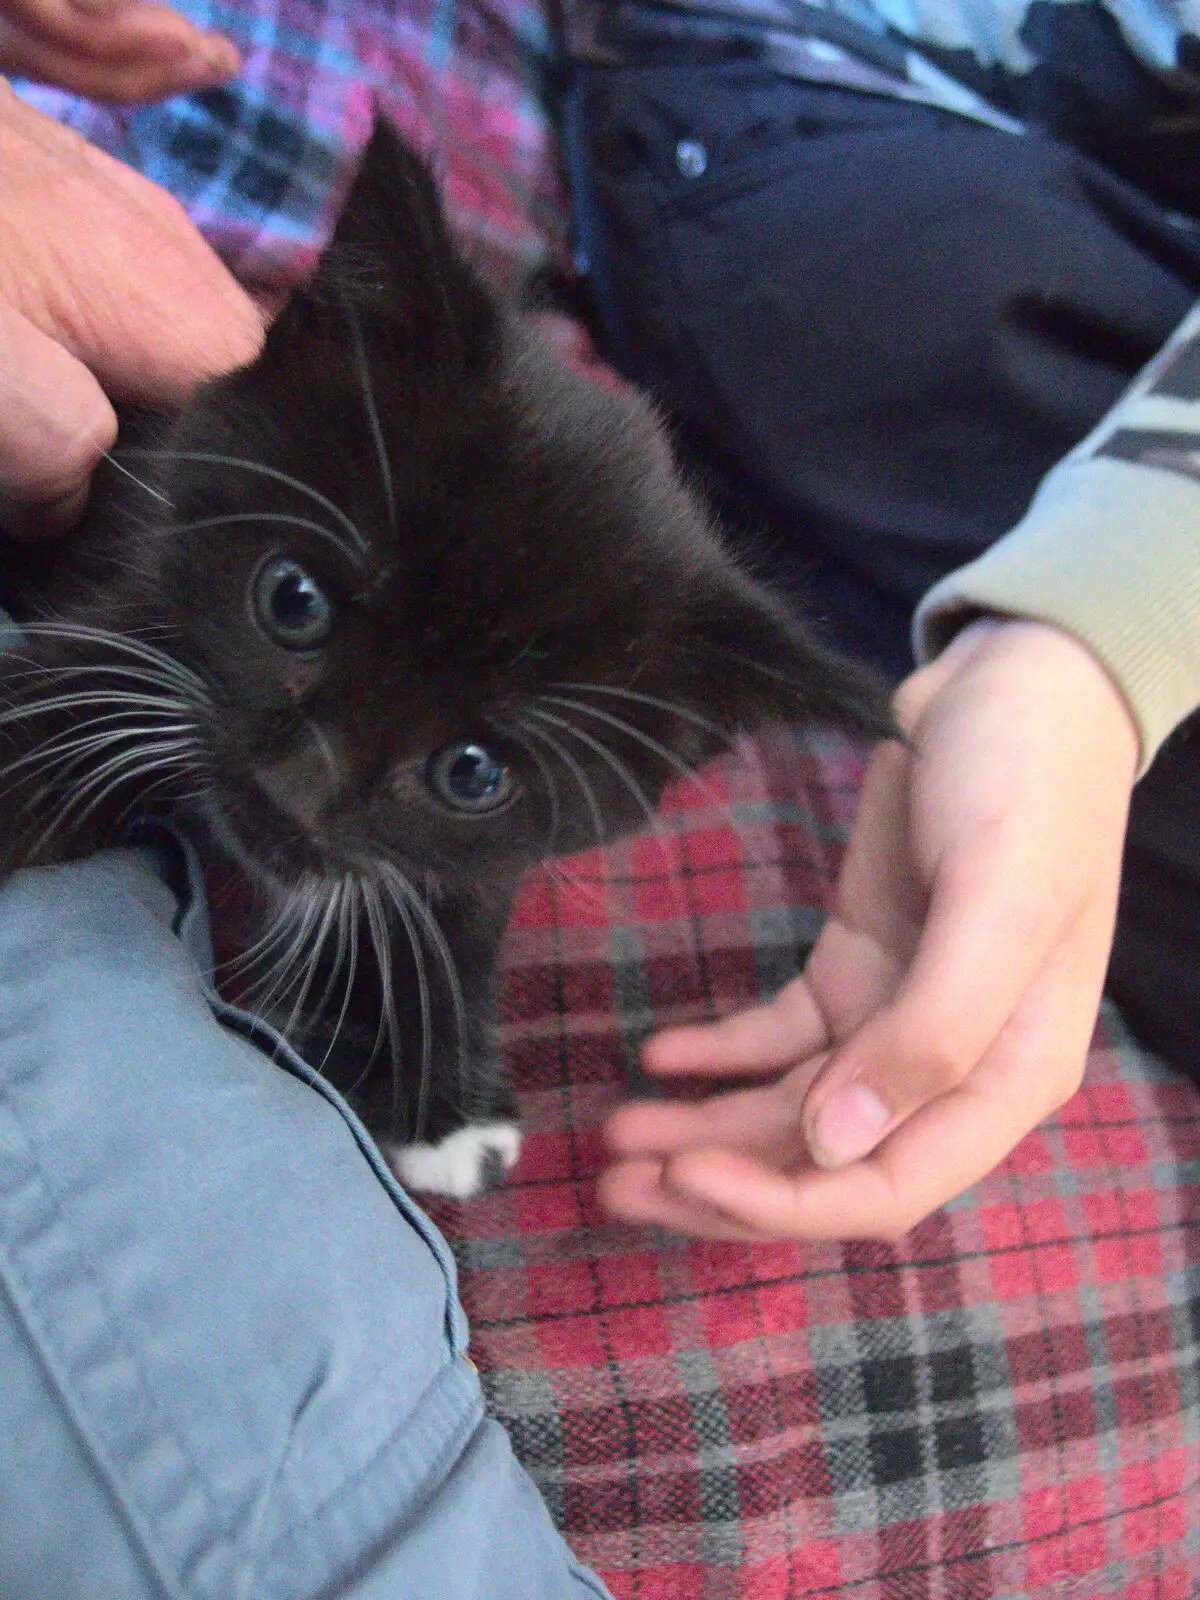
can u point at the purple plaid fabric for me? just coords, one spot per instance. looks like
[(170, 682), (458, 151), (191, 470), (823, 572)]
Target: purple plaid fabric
[(1006, 1405), (262, 164)]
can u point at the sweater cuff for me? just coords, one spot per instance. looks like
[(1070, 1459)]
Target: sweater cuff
[(1078, 560)]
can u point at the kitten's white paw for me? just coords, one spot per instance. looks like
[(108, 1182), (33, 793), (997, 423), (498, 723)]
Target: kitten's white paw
[(465, 1162)]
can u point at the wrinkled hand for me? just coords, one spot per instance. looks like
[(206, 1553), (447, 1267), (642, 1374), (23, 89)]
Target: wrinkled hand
[(125, 50), (948, 1005), (105, 288)]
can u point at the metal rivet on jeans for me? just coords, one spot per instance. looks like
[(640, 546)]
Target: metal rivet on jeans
[(691, 158)]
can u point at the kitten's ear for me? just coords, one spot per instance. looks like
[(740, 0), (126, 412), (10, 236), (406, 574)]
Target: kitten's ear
[(767, 665), (392, 252)]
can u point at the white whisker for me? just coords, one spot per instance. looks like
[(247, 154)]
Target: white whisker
[(145, 487), (618, 767), (84, 633), (677, 765), (318, 528), (577, 772), (437, 938), (354, 895), (389, 1026), (726, 735), (398, 901), (385, 470), (551, 787), (267, 472)]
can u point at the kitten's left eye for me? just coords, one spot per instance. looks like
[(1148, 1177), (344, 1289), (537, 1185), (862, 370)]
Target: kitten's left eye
[(468, 777), (291, 607)]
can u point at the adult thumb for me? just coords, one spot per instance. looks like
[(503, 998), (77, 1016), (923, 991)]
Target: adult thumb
[(55, 424)]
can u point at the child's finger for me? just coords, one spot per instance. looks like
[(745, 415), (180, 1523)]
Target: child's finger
[(763, 1039)]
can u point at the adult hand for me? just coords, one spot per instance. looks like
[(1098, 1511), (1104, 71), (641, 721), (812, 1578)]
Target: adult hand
[(948, 1005), (106, 288), (125, 50)]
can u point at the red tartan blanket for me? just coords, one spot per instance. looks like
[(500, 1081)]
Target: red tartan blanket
[(1008, 1404)]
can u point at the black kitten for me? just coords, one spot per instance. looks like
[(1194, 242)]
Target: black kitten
[(393, 614)]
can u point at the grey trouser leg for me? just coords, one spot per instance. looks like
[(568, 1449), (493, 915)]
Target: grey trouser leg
[(231, 1353)]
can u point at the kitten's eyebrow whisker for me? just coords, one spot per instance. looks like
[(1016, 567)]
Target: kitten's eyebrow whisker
[(267, 472), (689, 774), (726, 735), (622, 771), (576, 771), (318, 528), (611, 761), (804, 703), (551, 787), (570, 884), (364, 372)]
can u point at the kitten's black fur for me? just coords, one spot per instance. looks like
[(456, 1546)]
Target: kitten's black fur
[(408, 606)]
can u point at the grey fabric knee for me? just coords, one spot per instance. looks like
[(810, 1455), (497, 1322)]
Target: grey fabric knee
[(232, 1359)]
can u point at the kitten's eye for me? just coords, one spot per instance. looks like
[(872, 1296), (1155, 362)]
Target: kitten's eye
[(291, 606), (467, 777)]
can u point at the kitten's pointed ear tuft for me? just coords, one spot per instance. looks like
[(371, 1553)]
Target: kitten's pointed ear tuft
[(392, 250), (392, 198), (768, 665)]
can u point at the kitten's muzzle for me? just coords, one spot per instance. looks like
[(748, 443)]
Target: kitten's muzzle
[(304, 782)]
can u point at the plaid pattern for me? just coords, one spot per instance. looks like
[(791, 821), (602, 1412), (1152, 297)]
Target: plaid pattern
[(1008, 1404), (262, 164)]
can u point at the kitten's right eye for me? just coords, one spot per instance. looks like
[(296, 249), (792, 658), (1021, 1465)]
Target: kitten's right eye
[(468, 778), (291, 607)]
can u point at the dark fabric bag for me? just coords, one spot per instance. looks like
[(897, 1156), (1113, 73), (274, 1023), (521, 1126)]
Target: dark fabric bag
[(875, 326)]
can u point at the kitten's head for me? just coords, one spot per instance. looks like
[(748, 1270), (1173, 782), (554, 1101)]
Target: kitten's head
[(449, 603)]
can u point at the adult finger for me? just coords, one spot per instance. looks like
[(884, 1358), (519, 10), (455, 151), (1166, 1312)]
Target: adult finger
[(148, 307), (129, 52), (55, 422)]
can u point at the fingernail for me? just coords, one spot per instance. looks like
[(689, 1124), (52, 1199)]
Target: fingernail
[(847, 1126), (212, 59)]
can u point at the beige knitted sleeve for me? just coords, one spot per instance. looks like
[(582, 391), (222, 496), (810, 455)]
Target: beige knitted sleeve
[(1110, 548)]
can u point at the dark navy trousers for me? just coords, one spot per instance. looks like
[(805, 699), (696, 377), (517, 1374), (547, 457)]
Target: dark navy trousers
[(875, 327)]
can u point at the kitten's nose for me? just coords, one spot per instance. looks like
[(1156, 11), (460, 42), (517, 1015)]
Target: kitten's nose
[(302, 784)]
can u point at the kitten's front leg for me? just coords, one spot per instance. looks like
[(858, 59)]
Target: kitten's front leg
[(467, 1136), (434, 1096)]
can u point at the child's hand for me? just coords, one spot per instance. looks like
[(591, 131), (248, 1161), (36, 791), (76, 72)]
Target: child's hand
[(125, 50), (950, 1000)]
